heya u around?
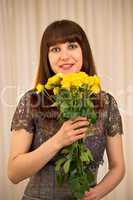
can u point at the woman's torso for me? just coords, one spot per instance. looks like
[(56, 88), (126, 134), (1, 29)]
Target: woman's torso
[(44, 124)]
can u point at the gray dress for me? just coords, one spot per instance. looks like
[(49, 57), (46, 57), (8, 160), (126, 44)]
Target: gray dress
[(43, 124)]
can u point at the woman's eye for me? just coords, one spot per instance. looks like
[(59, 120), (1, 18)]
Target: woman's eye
[(72, 46), (55, 49)]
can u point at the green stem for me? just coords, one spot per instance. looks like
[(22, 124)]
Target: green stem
[(48, 95), (79, 162)]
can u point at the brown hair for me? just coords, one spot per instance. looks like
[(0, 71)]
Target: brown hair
[(58, 32)]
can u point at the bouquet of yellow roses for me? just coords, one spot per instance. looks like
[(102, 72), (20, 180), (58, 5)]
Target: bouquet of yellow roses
[(73, 95)]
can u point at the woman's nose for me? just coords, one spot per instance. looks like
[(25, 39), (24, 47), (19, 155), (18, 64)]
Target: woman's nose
[(64, 54)]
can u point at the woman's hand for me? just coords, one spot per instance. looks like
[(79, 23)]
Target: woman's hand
[(92, 194), (71, 131)]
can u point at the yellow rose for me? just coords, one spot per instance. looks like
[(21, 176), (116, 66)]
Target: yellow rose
[(54, 80), (74, 79), (56, 90), (48, 86), (40, 88), (96, 79), (66, 85), (91, 81), (95, 89), (77, 83)]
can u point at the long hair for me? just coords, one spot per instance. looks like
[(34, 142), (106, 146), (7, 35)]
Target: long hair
[(59, 32)]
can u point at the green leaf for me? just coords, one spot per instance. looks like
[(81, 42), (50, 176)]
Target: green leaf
[(84, 156), (65, 151), (59, 163), (90, 104), (66, 166), (64, 106), (69, 156), (83, 111), (54, 104), (90, 177), (93, 117), (60, 179), (78, 185), (66, 115), (90, 154)]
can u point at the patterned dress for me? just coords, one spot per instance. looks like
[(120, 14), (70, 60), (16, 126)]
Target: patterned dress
[(43, 124)]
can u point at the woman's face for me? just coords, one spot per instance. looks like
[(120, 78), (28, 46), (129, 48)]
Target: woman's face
[(65, 57)]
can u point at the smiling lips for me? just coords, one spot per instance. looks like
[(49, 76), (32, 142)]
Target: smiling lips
[(66, 66)]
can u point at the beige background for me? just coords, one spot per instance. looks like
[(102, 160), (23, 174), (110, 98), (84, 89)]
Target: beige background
[(109, 27)]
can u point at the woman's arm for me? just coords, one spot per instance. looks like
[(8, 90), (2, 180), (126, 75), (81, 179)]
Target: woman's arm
[(23, 164), (116, 171)]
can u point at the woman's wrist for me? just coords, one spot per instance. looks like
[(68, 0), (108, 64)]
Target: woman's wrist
[(100, 191), (56, 142)]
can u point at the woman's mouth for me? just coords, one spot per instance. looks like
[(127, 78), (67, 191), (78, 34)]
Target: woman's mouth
[(66, 66)]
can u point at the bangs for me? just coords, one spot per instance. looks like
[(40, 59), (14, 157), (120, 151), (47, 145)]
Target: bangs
[(60, 33), (63, 38)]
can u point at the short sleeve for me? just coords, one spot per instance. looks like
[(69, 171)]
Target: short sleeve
[(22, 118), (114, 120)]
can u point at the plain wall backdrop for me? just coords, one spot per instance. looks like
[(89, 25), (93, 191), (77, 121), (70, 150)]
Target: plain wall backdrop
[(109, 27)]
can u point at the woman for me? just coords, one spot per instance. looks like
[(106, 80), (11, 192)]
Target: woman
[(37, 136)]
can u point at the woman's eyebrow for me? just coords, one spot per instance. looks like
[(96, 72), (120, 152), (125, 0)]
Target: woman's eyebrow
[(72, 41), (55, 45)]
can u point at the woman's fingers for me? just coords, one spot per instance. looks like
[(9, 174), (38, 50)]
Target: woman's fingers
[(80, 131), (91, 195), (77, 119), (73, 130), (71, 124), (79, 124), (77, 137)]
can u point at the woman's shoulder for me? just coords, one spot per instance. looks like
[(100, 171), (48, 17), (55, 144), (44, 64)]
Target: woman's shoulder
[(26, 94), (26, 98), (109, 100), (29, 93), (105, 93), (36, 100), (107, 96)]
